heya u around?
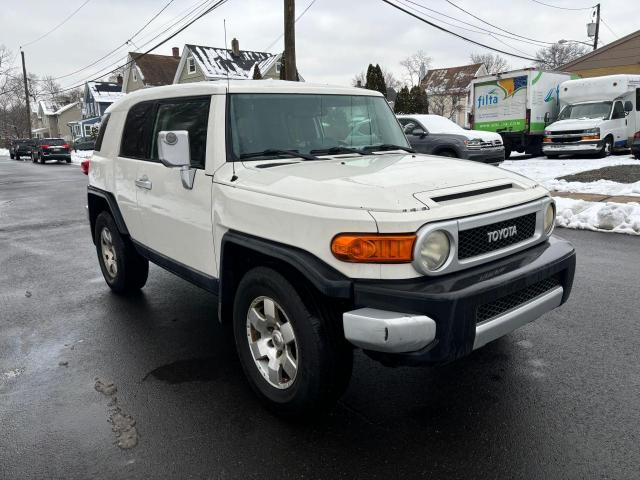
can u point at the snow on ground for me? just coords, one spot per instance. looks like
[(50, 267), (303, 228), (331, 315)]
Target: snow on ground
[(4, 152), (599, 216), (580, 214), (77, 157)]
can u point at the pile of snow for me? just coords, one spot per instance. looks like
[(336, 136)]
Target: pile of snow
[(77, 157), (4, 152), (603, 187), (541, 169), (600, 216)]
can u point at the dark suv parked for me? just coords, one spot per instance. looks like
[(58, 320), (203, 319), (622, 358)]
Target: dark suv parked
[(21, 147), (84, 143), (51, 149)]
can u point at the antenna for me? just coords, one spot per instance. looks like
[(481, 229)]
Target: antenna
[(224, 23)]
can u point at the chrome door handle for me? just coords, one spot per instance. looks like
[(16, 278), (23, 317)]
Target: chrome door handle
[(144, 182)]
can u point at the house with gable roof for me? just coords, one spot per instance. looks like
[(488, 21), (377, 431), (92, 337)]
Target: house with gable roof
[(199, 63), (96, 99), (149, 70), (448, 90), (52, 120)]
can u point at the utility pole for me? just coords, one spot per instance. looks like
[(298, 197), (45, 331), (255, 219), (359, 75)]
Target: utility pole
[(290, 69), (595, 38), (26, 94)]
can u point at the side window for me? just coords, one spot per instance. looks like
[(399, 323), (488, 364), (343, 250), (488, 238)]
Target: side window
[(103, 127), (191, 115), (135, 134), (618, 111), (191, 65), (637, 99)]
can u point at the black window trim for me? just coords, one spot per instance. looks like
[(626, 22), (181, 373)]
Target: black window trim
[(101, 132), (164, 101), (148, 124)]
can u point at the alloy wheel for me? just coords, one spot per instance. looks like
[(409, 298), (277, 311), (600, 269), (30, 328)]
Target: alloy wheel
[(108, 253)]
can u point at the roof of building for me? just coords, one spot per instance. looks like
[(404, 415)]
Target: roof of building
[(155, 70), (604, 49), (220, 62), (65, 108), (48, 107), (450, 80), (105, 92)]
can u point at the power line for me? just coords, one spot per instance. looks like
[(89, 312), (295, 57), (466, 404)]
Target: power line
[(562, 8), (207, 11), (115, 49), (537, 43), (191, 11), (296, 21), (57, 26), (495, 26), (608, 27), (458, 35)]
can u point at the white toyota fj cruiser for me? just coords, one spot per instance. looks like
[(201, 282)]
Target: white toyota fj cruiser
[(316, 236)]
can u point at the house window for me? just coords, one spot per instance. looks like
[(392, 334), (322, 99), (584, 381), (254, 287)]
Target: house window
[(278, 66), (87, 130), (191, 65), (135, 74)]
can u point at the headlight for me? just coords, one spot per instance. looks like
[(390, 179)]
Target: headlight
[(473, 144), (549, 218), (434, 250), (548, 132), (592, 131)]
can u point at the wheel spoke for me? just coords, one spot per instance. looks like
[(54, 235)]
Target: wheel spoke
[(287, 333), (289, 365), (259, 349), (270, 311), (257, 321), (273, 370)]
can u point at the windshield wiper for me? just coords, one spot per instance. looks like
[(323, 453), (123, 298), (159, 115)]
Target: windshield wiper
[(387, 146), (274, 152), (336, 151)]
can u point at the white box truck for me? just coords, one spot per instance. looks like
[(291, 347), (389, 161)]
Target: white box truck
[(598, 116), (517, 105)]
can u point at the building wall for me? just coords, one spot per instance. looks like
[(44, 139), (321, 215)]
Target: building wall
[(71, 115), (133, 85), (185, 77), (600, 72), (621, 58)]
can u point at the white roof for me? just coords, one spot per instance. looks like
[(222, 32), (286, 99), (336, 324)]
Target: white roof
[(435, 123), (221, 87), (105, 92), (48, 108), (220, 62), (65, 108)]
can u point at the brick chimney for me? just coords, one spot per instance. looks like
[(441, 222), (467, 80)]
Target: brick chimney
[(235, 47), (176, 52)]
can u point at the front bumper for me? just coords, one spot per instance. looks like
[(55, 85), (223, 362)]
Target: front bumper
[(453, 302), (487, 156), (571, 148)]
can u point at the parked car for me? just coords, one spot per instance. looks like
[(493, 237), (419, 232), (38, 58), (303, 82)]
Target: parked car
[(51, 149), (436, 135), (21, 147), (84, 143), (635, 145), (314, 247)]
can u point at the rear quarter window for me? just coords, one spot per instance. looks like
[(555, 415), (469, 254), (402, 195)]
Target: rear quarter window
[(135, 135), (103, 128)]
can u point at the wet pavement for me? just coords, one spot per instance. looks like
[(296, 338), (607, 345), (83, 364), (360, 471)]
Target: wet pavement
[(97, 386)]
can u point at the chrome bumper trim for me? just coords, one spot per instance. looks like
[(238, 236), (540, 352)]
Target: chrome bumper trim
[(516, 318), (583, 147), (389, 332)]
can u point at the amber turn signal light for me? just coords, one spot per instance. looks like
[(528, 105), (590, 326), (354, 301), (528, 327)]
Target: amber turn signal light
[(373, 248)]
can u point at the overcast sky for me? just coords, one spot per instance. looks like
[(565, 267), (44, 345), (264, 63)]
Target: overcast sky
[(335, 39)]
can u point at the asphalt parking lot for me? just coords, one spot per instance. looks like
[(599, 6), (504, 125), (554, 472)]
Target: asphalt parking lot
[(556, 399)]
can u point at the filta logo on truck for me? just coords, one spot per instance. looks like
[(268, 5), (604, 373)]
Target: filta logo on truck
[(515, 105)]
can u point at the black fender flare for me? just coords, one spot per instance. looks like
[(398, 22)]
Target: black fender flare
[(112, 204)]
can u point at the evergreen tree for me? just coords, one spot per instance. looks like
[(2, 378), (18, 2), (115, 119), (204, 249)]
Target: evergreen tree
[(370, 82), (257, 75), (418, 100), (401, 101), (381, 86)]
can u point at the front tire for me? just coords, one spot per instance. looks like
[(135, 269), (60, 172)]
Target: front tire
[(124, 270), (607, 148), (291, 353), (448, 153)]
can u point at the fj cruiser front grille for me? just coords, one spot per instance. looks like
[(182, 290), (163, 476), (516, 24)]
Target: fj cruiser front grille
[(504, 304), (495, 236)]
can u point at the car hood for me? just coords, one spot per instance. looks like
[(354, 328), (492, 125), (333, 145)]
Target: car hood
[(482, 135), (574, 124), (384, 182)]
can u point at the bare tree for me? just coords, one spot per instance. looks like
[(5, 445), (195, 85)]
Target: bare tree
[(555, 56), (416, 66), (493, 62)]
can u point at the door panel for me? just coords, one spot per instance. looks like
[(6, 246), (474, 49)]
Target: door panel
[(126, 172)]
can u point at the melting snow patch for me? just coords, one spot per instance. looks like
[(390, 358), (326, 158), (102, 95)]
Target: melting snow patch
[(612, 217)]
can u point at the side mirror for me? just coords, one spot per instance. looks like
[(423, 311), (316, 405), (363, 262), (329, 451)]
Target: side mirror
[(173, 151), (418, 132), (628, 106), (547, 118), (173, 148)]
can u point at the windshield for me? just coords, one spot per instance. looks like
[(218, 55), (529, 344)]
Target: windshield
[(309, 124), (585, 111)]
